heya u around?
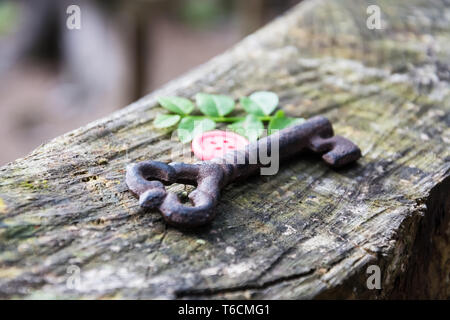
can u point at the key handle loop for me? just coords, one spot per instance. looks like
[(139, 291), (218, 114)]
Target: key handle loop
[(145, 179)]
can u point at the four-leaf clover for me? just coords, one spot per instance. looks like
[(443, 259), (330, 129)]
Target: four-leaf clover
[(215, 108)]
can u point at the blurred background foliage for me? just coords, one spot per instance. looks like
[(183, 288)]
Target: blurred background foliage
[(8, 16), (53, 79)]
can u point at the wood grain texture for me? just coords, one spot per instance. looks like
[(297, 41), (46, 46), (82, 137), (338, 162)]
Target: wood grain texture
[(308, 232)]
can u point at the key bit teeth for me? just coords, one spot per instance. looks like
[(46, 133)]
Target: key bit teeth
[(343, 152)]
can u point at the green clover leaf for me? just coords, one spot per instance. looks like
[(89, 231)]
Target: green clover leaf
[(189, 127), (177, 105), (251, 107), (214, 105), (260, 103), (251, 127), (166, 120), (279, 122)]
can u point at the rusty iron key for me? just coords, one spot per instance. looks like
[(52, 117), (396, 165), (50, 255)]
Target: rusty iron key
[(145, 179)]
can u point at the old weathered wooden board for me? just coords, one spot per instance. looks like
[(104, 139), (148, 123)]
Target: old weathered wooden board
[(308, 232)]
